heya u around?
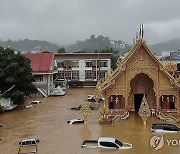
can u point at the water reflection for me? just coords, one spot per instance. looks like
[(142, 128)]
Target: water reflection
[(47, 122), (85, 133)]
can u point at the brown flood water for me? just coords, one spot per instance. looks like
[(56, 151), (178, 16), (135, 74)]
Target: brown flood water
[(47, 122)]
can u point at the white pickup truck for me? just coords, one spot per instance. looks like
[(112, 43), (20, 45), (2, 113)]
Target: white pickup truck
[(106, 142)]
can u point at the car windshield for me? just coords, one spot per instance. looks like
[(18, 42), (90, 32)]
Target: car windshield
[(119, 143)]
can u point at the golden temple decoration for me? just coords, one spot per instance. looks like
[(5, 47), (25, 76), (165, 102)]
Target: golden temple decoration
[(104, 110), (144, 110), (85, 111)]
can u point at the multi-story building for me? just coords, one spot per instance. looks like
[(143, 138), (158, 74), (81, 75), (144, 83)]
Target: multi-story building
[(83, 69)]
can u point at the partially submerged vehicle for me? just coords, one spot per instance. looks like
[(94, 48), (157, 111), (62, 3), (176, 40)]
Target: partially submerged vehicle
[(75, 121), (1, 125), (29, 106), (35, 102), (80, 106), (76, 108), (91, 98), (106, 142), (28, 146), (165, 128)]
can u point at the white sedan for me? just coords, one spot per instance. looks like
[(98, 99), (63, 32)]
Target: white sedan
[(75, 121)]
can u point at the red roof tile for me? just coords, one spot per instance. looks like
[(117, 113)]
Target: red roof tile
[(40, 62)]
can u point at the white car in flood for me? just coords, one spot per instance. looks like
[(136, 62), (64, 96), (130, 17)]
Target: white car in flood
[(75, 121)]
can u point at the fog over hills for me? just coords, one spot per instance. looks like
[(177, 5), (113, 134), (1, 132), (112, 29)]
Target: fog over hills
[(88, 45), (171, 45)]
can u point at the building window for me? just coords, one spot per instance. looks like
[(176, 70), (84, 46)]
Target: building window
[(61, 74), (102, 74), (38, 78), (60, 64), (104, 63), (116, 102), (167, 101), (178, 67), (68, 75), (75, 75), (89, 64), (90, 74), (75, 64)]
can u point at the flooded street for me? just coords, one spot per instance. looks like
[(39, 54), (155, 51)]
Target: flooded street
[(47, 122)]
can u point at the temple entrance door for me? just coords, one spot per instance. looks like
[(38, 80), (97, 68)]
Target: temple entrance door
[(137, 101)]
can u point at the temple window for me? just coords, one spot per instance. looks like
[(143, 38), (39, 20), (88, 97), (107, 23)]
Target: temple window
[(167, 101), (116, 102)]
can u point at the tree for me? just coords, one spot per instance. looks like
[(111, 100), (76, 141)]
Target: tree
[(114, 56), (61, 50), (15, 70)]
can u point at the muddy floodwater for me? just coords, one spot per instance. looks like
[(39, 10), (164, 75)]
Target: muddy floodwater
[(48, 122)]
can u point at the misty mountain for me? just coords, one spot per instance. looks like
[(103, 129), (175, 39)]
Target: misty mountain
[(29, 45), (172, 45), (92, 44), (98, 44)]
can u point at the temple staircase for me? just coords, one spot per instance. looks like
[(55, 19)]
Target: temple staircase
[(43, 92)]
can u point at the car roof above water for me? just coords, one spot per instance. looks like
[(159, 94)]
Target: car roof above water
[(161, 124), (107, 139)]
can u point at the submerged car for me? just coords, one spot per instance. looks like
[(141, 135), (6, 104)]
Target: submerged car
[(106, 142), (28, 142), (28, 146), (35, 102), (75, 121), (91, 98), (29, 106), (165, 128), (1, 125)]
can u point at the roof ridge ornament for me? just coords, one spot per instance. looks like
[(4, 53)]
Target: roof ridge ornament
[(141, 31), (140, 34)]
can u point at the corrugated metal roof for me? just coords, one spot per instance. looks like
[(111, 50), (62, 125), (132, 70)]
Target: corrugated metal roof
[(40, 62)]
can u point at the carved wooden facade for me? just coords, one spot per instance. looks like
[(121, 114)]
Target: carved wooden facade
[(141, 72)]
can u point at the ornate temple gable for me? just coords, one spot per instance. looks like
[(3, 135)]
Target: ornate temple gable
[(165, 82), (141, 59), (120, 81)]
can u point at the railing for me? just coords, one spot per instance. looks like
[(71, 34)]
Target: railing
[(168, 118)]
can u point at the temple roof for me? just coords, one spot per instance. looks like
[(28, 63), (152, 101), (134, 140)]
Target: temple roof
[(138, 43)]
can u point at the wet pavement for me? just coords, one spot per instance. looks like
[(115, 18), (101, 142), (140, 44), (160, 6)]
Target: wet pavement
[(47, 122)]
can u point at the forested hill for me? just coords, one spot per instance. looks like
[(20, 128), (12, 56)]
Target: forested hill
[(93, 44), (172, 45), (29, 45), (98, 44)]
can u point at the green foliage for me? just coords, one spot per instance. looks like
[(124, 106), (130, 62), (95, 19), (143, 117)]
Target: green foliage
[(80, 51), (15, 70), (1, 109), (167, 58), (91, 44), (61, 50)]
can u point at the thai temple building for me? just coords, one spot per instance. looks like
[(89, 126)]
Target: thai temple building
[(141, 73)]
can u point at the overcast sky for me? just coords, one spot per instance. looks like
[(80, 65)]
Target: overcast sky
[(65, 21)]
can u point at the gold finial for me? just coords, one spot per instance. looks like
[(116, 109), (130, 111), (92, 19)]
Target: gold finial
[(136, 36), (142, 31)]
